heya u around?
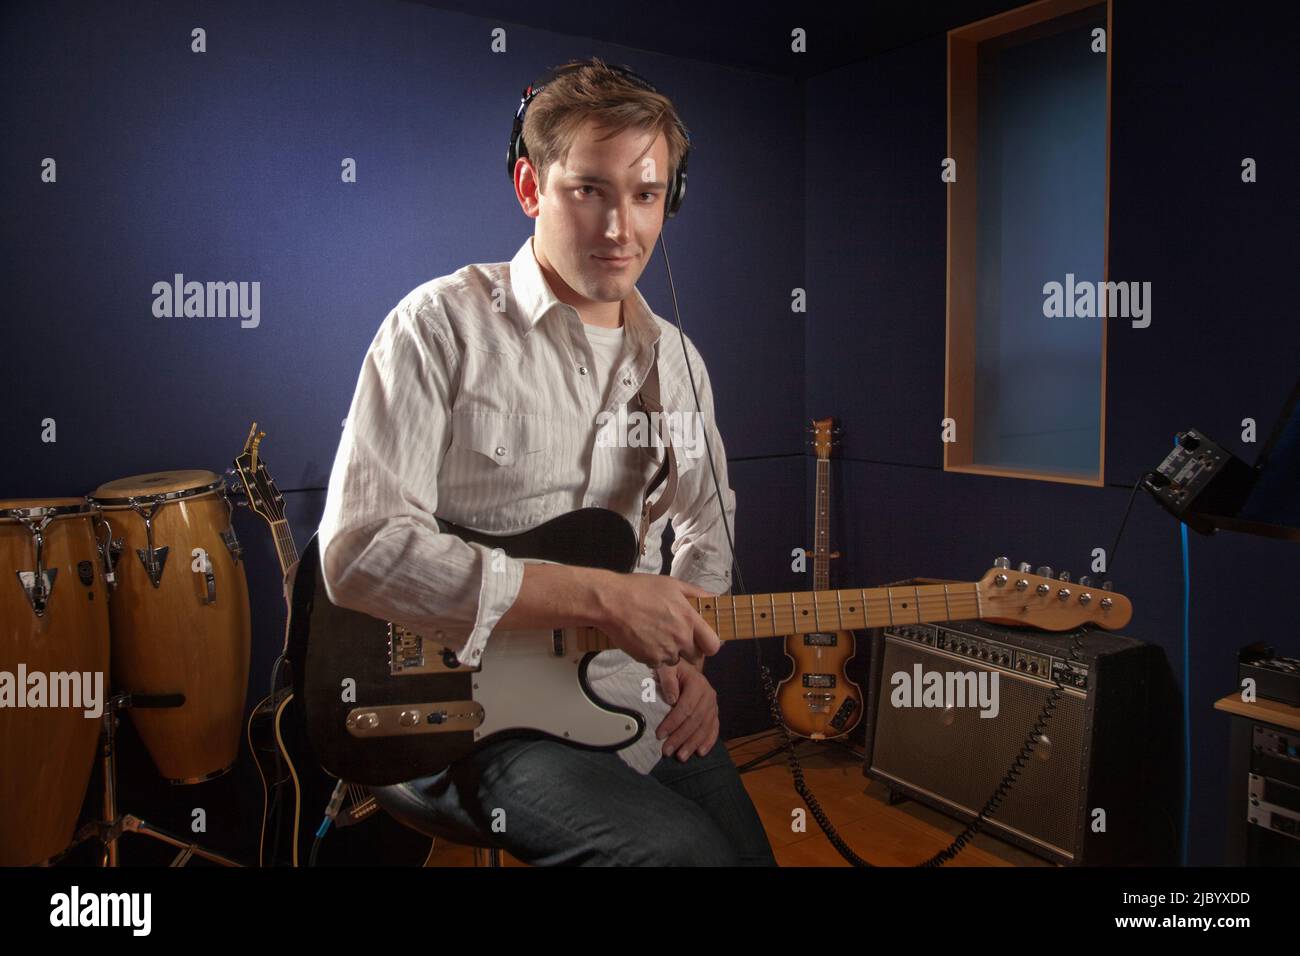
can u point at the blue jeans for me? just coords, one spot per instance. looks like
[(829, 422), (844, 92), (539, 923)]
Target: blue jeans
[(550, 803)]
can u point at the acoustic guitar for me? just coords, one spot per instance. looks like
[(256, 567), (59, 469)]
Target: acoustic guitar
[(278, 740)]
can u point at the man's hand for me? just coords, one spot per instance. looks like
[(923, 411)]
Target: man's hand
[(651, 617), (692, 725)]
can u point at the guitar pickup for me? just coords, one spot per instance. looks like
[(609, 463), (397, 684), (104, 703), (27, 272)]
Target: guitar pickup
[(818, 680), (821, 639)]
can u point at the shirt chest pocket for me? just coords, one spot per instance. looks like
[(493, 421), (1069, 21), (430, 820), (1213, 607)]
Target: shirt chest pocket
[(503, 463), (505, 440)]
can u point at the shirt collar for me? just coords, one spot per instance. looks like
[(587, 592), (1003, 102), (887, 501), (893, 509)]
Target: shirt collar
[(534, 298)]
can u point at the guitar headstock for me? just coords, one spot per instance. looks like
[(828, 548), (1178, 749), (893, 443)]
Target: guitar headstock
[(825, 434), (1052, 603), (263, 496)]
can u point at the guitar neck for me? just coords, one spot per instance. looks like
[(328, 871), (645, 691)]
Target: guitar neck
[(821, 526), (745, 616), (285, 549)]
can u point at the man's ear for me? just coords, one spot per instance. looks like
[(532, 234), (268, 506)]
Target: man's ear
[(526, 187)]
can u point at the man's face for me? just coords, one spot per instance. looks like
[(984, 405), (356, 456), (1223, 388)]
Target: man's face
[(600, 212)]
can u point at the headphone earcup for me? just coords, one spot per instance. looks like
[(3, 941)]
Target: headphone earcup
[(676, 194)]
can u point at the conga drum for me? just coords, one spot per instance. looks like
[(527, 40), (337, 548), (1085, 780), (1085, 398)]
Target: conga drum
[(179, 617), (54, 684)]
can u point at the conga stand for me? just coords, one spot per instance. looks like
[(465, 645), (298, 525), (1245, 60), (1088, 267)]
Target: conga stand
[(114, 825)]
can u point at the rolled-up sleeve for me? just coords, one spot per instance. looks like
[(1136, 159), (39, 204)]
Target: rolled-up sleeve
[(381, 550), (700, 551)]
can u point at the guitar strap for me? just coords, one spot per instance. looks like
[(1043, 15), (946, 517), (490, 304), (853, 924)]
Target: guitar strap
[(647, 397)]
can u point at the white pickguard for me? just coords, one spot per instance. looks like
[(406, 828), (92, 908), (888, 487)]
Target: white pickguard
[(522, 684)]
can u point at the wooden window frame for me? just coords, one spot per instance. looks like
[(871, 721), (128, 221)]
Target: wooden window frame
[(961, 289)]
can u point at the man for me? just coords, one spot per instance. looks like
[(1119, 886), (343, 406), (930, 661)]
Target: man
[(480, 399)]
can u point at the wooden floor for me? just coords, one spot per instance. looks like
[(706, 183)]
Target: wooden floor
[(858, 808)]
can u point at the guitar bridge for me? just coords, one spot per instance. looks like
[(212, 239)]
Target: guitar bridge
[(405, 649)]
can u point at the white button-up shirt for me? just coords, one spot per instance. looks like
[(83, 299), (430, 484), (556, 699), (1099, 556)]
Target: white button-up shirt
[(477, 402)]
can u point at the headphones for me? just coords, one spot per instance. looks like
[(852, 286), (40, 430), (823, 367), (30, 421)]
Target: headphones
[(517, 149)]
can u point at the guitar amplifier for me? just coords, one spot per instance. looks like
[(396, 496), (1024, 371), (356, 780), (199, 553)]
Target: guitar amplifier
[(950, 706)]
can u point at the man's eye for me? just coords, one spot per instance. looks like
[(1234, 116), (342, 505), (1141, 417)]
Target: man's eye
[(647, 196)]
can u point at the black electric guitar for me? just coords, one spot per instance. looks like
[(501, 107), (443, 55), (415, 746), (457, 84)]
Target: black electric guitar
[(277, 739), (385, 704)]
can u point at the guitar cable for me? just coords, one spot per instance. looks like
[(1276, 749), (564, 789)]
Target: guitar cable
[(800, 784)]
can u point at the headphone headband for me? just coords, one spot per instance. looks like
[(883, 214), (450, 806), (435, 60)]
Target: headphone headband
[(518, 150)]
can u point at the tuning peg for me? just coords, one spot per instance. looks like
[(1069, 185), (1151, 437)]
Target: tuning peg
[(1064, 576), (1025, 567), (1085, 581), (1045, 571), (1106, 585), (1002, 562)]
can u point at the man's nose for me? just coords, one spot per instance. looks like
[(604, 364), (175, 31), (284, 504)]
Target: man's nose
[(619, 223)]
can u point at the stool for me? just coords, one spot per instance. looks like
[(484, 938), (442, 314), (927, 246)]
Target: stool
[(484, 854)]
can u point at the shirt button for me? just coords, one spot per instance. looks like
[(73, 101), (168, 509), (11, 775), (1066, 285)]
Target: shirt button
[(582, 370), (627, 381), (500, 450)]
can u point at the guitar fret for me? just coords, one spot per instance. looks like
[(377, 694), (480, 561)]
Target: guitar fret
[(753, 614), (772, 600), (946, 605), (917, 591), (839, 607), (735, 625), (889, 594)]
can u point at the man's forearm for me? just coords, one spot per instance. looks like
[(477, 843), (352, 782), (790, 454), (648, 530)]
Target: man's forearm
[(557, 595)]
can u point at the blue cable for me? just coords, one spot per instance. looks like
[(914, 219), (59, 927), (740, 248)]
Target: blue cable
[(1187, 701)]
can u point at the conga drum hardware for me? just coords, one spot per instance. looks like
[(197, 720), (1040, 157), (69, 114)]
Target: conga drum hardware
[(154, 559), (38, 583), (109, 548)]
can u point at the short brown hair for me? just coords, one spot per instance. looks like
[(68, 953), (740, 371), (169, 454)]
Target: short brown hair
[(594, 91)]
